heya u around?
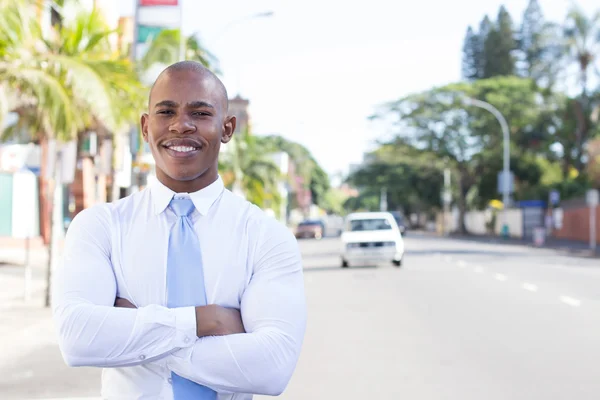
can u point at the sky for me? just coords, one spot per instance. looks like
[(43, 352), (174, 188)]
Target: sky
[(315, 70)]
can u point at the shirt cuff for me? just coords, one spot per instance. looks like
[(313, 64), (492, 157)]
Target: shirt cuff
[(185, 325)]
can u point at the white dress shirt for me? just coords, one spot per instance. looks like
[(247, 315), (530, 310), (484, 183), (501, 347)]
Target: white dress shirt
[(251, 262)]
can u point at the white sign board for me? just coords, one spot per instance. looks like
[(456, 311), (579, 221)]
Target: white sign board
[(592, 197)]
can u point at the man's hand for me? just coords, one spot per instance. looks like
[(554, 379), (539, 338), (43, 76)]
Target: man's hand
[(213, 320), (123, 303)]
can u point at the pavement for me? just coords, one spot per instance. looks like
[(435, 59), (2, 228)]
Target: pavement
[(460, 320)]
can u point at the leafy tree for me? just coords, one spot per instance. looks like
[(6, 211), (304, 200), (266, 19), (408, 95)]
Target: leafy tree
[(165, 49), (313, 175), (485, 27), (499, 47), (248, 168), (582, 47), (471, 56)]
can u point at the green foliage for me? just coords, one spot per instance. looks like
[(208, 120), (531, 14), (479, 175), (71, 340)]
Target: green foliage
[(499, 46), (312, 174), (250, 168), (166, 46), (411, 177), (66, 83)]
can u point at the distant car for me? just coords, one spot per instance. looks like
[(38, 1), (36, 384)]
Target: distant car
[(371, 238), (310, 229)]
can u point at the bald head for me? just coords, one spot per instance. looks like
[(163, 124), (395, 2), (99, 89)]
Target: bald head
[(196, 69)]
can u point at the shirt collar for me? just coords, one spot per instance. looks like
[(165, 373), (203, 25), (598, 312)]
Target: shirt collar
[(203, 199)]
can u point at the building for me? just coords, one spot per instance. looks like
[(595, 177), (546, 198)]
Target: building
[(238, 106)]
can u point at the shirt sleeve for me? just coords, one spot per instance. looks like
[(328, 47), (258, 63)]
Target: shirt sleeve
[(91, 331), (273, 309)]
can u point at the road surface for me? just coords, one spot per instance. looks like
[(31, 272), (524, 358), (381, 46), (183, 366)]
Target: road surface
[(459, 321)]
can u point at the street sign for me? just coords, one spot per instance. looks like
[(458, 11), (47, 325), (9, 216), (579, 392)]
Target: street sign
[(150, 3), (592, 197), (554, 197), (511, 182), (446, 196)]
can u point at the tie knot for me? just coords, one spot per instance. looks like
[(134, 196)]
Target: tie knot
[(181, 207)]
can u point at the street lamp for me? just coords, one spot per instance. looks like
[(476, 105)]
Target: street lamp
[(506, 167), (264, 14)]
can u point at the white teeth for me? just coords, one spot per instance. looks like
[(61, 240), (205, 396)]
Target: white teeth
[(182, 149)]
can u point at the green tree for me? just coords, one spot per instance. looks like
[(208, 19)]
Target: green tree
[(439, 122), (249, 169), (166, 47), (539, 47), (411, 177), (582, 48), (499, 47), (313, 175), (471, 58), (485, 27), (62, 85)]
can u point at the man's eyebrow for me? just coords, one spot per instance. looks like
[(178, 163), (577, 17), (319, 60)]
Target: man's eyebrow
[(167, 103), (200, 104)]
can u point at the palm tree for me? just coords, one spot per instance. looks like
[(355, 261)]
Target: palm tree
[(249, 170), (165, 49), (582, 47), (64, 85), (582, 35)]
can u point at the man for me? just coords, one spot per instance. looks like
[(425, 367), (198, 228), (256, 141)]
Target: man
[(183, 290)]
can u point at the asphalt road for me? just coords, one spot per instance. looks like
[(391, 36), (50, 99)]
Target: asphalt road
[(460, 320)]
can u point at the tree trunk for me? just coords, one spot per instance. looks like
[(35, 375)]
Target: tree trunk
[(462, 201), (45, 197)]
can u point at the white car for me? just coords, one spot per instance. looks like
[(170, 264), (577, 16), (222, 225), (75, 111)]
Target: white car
[(371, 238)]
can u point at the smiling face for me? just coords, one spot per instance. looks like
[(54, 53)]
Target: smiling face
[(185, 126)]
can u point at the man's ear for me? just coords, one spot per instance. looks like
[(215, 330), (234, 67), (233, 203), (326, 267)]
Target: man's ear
[(229, 128), (144, 125)]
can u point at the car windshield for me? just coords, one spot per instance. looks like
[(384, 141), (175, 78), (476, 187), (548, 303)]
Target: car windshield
[(378, 224)]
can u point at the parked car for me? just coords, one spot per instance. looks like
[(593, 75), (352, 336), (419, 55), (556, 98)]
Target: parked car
[(310, 229), (371, 238)]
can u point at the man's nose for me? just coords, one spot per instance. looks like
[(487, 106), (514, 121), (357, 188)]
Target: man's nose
[(182, 124)]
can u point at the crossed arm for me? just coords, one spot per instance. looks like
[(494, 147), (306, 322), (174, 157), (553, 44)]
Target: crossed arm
[(206, 344)]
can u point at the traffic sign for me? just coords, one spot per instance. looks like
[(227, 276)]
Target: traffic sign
[(511, 182), (592, 197), (554, 197)]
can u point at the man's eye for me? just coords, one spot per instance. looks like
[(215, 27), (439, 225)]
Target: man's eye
[(200, 113), (168, 112)]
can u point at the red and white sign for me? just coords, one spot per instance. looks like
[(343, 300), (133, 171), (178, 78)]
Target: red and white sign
[(158, 2)]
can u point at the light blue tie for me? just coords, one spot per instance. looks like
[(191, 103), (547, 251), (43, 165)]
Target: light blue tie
[(185, 285)]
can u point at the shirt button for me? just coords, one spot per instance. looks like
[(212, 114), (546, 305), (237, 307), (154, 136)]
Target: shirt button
[(186, 340), (142, 357), (170, 381)]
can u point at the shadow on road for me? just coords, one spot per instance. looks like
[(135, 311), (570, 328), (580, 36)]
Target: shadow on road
[(430, 252), (321, 255), (335, 268)]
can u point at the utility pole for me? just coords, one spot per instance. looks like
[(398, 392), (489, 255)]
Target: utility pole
[(446, 199)]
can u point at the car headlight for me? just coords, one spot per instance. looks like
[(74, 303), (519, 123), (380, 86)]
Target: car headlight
[(390, 244), (352, 245)]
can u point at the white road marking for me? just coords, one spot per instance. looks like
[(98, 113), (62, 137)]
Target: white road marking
[(500, 277), (530, 287), (570, 301), (462, 264), (478, 270)]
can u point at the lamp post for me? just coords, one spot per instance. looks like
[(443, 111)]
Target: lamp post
[(506, 162)]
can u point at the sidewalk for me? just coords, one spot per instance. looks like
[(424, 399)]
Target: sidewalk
[(568, 247), (25, 324)]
